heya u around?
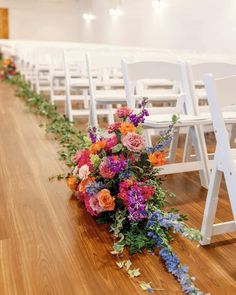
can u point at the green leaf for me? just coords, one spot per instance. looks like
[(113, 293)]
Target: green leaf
[(133, 273), (120, 264), (117, 148), (118, 248), (128, 264), (147, 287)]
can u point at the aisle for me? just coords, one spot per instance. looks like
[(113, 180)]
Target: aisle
[(48, 245)]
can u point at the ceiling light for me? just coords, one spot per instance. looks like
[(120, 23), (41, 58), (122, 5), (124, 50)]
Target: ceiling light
[(115, 12), (88, 16), (156, 3)]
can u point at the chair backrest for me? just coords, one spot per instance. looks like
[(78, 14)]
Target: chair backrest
[(102, 82), (193, 74), (220, 93), (135, 72), (75, 63), (49, 56)]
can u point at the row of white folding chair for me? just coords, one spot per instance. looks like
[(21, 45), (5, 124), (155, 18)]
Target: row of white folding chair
[(221, 94), (47, 67), (107, 87), (159, 90)]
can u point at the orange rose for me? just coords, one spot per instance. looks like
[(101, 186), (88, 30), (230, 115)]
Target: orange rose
[(157, 158), (72, 182), (97, 146), (84, 183), (106, 201), (126, 128), (6, 62)]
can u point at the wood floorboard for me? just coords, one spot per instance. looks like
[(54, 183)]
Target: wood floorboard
[(50, 245)]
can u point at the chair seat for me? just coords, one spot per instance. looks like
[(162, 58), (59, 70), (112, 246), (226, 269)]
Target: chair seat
[(85, 112), (79, 82), (229, 116), (162, 96), (163, 120), (111, 98)]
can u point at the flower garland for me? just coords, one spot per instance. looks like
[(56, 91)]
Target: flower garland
[(117, 179), (8, 69)]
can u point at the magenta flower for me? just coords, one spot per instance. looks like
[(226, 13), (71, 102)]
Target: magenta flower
[(123, 112), (111, 142), (134, 142)]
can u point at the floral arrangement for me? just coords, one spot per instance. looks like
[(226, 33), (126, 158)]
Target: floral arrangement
[(8, 69), (116, 177)]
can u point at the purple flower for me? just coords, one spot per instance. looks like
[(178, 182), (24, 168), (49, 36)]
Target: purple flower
[(117, 163), (140, 118), (137, 204), (143, 102), (92, 134)]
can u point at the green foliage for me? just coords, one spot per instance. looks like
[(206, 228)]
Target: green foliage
[(69, 137), (136, 239)]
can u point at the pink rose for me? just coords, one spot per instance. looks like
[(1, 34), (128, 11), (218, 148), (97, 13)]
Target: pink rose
[(123, 112), (111, 142), (133, 141), (105, 172), (94, 204), (84, 172), (88, 206)]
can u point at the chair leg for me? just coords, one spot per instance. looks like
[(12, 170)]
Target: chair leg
[(93, 119), (174, 145), (51, 87), (68, 105), (148, 138), (187, 147), (110, 118), (37, 83), (199, 144), (231, 187), (211, 206)]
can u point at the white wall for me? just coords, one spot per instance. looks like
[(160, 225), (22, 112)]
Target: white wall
[(201, 25)]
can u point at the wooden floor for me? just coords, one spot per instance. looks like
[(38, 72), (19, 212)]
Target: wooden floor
[(49, 245)]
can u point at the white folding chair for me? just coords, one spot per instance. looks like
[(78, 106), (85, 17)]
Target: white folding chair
[(221, 93), (197, 99), (76, 83), (138, 71), (49, 73), (106, 87)]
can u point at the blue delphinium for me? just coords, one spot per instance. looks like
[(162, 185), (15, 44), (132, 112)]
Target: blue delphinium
[(94, 187), (168, 221)]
